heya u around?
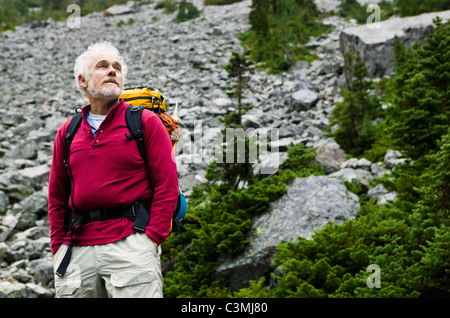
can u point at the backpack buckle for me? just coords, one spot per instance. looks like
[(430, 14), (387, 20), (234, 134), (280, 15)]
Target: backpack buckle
[(133, 209)]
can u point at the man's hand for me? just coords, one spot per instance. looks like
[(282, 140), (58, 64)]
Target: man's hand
[(156, 245)]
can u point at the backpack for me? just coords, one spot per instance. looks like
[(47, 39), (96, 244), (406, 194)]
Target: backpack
[(139, 99), (146, 97)]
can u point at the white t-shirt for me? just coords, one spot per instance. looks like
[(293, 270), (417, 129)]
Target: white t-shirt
[(97, 119)]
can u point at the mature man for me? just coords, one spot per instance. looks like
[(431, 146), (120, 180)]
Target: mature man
[(103, 179)]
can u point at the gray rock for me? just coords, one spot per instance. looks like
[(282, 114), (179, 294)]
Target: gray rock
[(38, 291), (4, 202), (355, 163), (8, 223), (5, 250), (328, 5), (309, 204), (393, 158), (378, 170), (43, 271), (250, 121), (359, 175), (35, 203), (129, 7), (330, 156), (4, 233), (375, 42), (35, 175), (282, 144), (24, 150), (222, 102), (269, 163), (12, 290), (303, 99), (379, 192), (190, 181)]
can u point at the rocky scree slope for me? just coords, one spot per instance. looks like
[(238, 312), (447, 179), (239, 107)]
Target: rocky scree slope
[(37, 94)]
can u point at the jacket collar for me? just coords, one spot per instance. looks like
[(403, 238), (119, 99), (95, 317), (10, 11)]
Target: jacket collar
[(111, 113)]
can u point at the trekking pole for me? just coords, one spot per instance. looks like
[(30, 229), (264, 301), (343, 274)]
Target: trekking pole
[(175, 112), (175, 117)]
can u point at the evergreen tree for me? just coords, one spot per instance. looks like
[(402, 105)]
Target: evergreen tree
[(431, 223), (421, 114), (352, 8), (9, 16), (415, 7), (279, 30), (239, 69), (259, 18), (433, 209), (240, 169), (186, 11), (354, 116)]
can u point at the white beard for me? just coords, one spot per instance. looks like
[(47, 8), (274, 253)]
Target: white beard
[(108, 91)]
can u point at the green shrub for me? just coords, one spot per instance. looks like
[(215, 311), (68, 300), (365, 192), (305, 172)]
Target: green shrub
[(219, 2), (16, 12), (279, 30), (354, 116), (186, 11), (352, 9), (218, 223), (169, 6), (420, 113), (415, 7)]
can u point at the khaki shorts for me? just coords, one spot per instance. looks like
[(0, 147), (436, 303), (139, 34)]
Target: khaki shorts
[(130, 267)]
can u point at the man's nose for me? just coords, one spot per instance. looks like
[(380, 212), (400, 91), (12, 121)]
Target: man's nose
[(111, 71)]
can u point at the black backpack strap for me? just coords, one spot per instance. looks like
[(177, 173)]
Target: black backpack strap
[(70, 133), (133, 118), (72, 130)]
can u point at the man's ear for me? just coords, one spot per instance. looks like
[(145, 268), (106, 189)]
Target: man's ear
[(82, 81)]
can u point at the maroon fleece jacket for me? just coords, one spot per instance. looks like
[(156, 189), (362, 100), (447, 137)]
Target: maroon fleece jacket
[(108, 171)]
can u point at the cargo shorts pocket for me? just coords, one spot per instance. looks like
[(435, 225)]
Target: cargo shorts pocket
[(63, 289), (69, 285), (137, 283)]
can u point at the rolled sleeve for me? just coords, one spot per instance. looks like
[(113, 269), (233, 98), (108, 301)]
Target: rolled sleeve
[(57, 191)]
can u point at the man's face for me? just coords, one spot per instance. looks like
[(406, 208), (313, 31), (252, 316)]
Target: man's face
[(105, 79)]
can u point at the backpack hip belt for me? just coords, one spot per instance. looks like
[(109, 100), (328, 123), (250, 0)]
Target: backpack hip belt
[(135, 212)]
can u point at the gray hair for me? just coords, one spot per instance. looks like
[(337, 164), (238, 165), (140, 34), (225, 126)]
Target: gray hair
[(81, 64)]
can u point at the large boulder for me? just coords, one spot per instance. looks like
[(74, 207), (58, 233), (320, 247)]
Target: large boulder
[(309, 204), (303, 99), (129, 7), (375, 41)]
